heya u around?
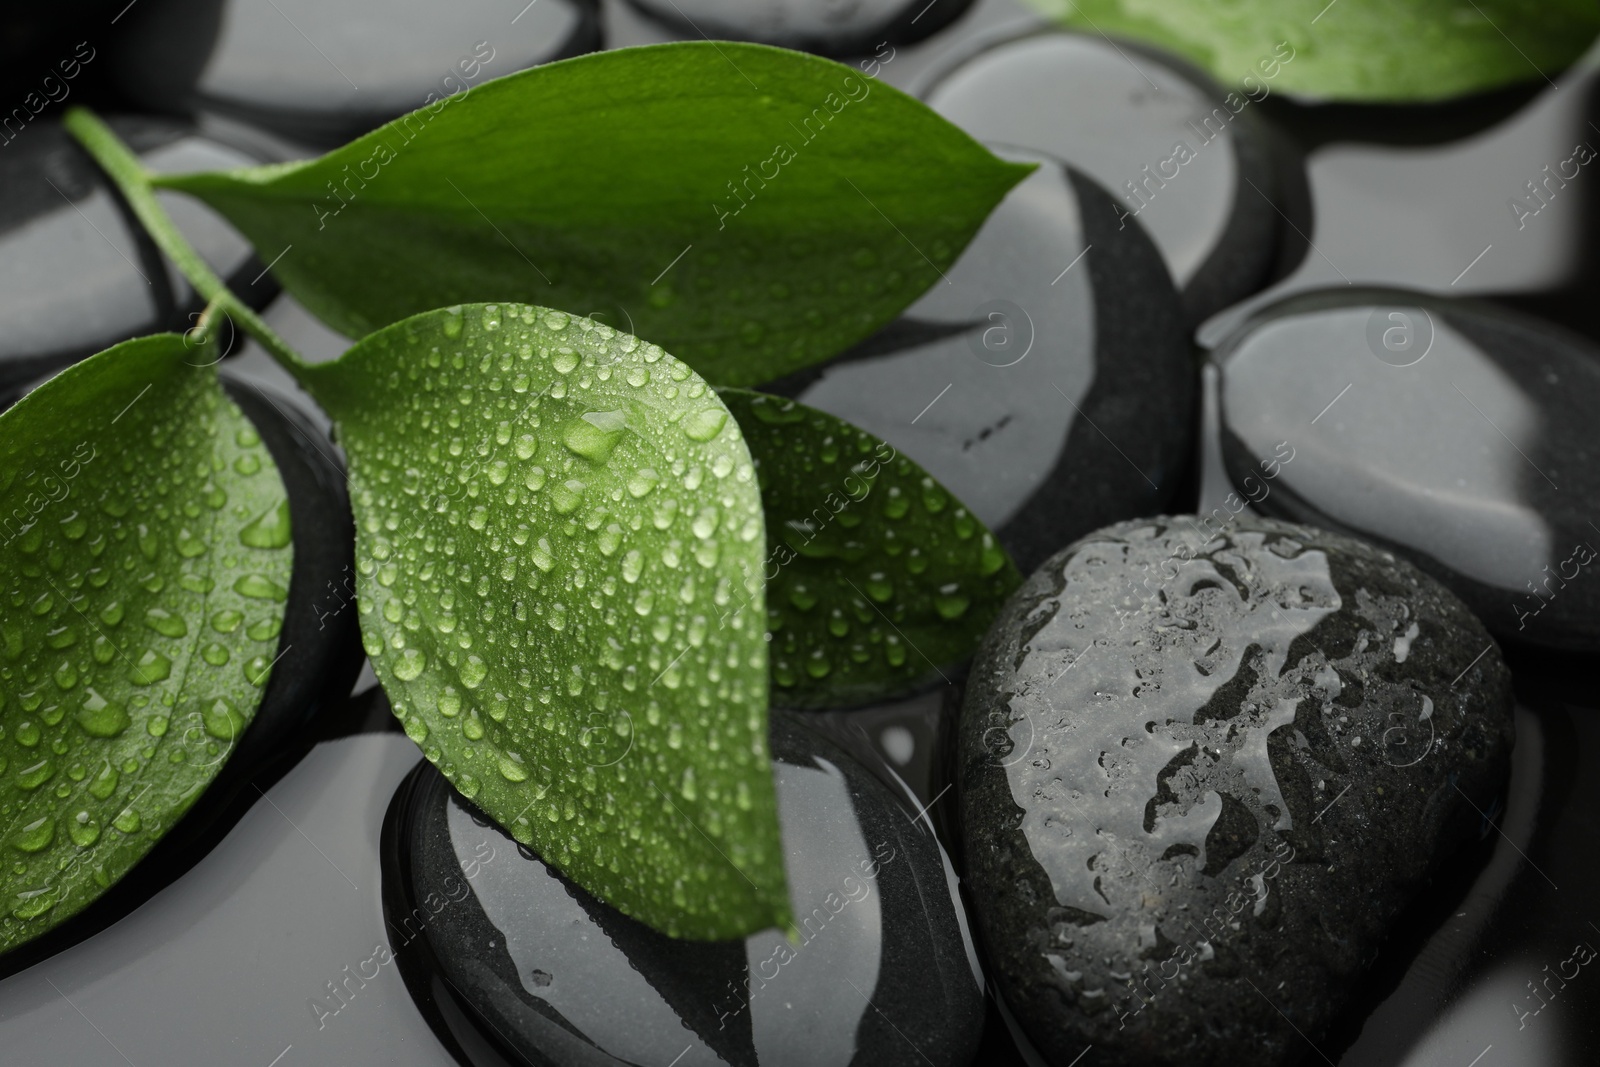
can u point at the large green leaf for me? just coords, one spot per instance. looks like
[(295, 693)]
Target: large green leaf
[(1363, 50), (580, 184), (558, 540), (145, 565), (878, 580)]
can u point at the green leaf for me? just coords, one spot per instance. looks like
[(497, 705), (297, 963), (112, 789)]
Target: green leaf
[(1359, 50), (557, 531), (145, 565), (878, 580), (580, 184)]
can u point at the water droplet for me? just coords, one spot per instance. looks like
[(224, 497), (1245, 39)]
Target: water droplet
[(260, 587), (270, 529), (705, 424), (950, 602), (705, 523), (595, 434), (100, 717), (222, 719), (247, 464), (566, 497), (264, 629), (642, 481), (128, 821), (35, 836), (632, 566), (472, 728), (227, 621), (512, 770), (450, 321), (32, 777), (83, 829), (879, 587), (409, 664), (166, 623), (257, 669), (473, 672), (449, 703), (541, 555), (151, 668)]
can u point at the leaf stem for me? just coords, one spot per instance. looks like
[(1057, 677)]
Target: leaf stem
[(133, 181)]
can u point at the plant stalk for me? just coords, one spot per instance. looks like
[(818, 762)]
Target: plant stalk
[(133, 181)]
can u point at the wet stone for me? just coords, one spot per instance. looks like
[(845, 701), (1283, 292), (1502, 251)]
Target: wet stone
[(510, 960), (319, 656), (829, 27), (1201, 776), (1047, 383), (77, 272), (1462, 436), (327, 73), (1178, 151)]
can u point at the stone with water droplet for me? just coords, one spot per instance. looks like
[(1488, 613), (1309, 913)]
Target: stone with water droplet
[(1151, 710), (876, 902)]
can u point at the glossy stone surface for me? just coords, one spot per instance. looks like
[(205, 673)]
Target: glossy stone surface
[(1461, 435), (1186, 157), (77, 273), (327, 73), (1047, 382), (1199, 778), (510, 960), (830, 27), (224, 965), (319, 655)]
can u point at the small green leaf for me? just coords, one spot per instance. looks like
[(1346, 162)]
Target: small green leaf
[(1361, 50), (752, 210), (145, 538), (877, 578), (558, 531)]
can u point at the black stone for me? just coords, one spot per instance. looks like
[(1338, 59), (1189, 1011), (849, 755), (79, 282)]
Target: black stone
[(77, 271), (1120, 112), (510, 960), (326, 73), (1460, 435), (827, 27), (1048, 383), (319, 657), (1177, 891)]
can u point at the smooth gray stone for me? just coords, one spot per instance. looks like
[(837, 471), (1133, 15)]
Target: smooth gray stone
[(514, 964), (1190, 159), (1461, 435), (78, 274), (829, 27), (328, 72), (1046, 382), (1200, 776)]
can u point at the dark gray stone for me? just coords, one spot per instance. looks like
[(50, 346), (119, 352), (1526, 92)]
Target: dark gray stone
[(510, 960), (1047, 382), (829, 27), (77, 272), (326, 73), (1189, 158), (1200, 776), (1461, 435)]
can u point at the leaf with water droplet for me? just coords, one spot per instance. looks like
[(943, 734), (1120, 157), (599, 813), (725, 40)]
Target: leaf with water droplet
[(128, 524), (553, 694), (650, 193), (878, 581)]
